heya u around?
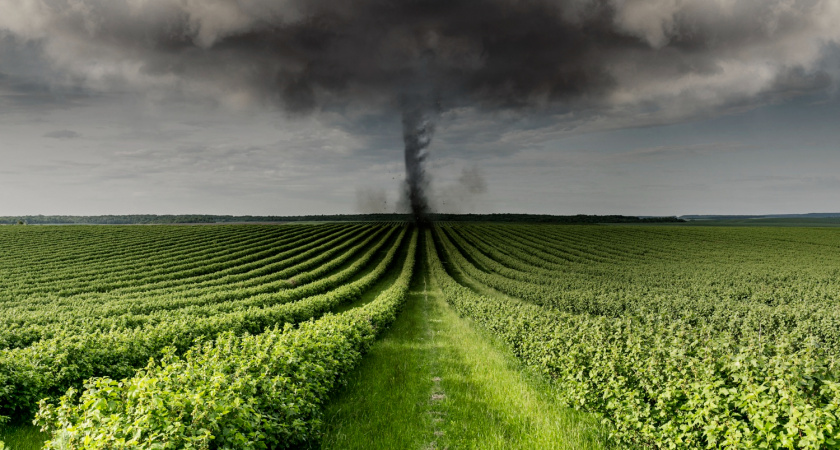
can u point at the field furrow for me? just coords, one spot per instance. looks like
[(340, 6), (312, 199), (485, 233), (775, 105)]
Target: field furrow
[(237, 336)]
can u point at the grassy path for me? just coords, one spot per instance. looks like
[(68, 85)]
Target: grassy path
[(433, 381), (23, 437)]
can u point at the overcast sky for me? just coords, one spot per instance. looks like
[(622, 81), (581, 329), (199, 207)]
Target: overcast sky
[(661, 107)]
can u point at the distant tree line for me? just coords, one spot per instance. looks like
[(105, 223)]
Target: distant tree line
[(764, 216), (149, 219), (547, 218), (205, 218)]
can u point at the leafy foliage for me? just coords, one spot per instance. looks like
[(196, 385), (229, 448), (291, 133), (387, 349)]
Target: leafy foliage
[(660, 376), (677, 337), (244, 392), (87, 345)]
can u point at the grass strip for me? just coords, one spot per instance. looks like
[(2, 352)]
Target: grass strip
[(25, 437), (436, 381)]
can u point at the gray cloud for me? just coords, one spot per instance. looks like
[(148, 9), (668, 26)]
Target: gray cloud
[(510, 79), (62, 134), (371, 200), (465, 195), (603, 60), (668, 152)]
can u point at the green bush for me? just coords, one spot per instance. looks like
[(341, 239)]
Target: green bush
[(49, 367), (239, 392), (668, 384)]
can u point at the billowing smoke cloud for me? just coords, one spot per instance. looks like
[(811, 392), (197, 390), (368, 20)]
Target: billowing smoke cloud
[(608, 62), (418, 129), (463, 196), (472, 181), (372, 201)]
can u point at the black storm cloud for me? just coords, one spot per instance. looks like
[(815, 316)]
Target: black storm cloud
[(486, 54), (595, 64)]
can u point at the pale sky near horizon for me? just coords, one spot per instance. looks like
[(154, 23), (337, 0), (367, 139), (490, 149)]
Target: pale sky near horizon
[(691, 107)]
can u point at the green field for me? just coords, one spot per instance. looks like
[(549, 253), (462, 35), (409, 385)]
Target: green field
[(352, 335)]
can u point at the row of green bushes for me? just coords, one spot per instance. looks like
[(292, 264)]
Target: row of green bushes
[(243, 392), (667, 384), (49, 367), (43, 255), (85, 314), (201, 260), (621, 292), (30, 321)]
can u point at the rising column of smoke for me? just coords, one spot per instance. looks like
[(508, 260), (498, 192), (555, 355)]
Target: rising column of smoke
[(419, 111), (418, 129)]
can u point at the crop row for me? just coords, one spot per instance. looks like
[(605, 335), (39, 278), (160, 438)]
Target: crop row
[(104, 251), (85, 316), (655, 296), (244, 392), (197, 259), (247, 265), (35, 304), (48, 367), (665, 384), (272, 278), (182, 269)]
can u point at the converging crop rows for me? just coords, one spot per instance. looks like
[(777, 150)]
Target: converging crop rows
[(678, 338), (236, 336)]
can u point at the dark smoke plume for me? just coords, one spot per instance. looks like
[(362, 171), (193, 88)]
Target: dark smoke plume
[(418, 129), (619, 61), (488, 54)]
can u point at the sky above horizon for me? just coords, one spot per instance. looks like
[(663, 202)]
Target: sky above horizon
[(665, 107)]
